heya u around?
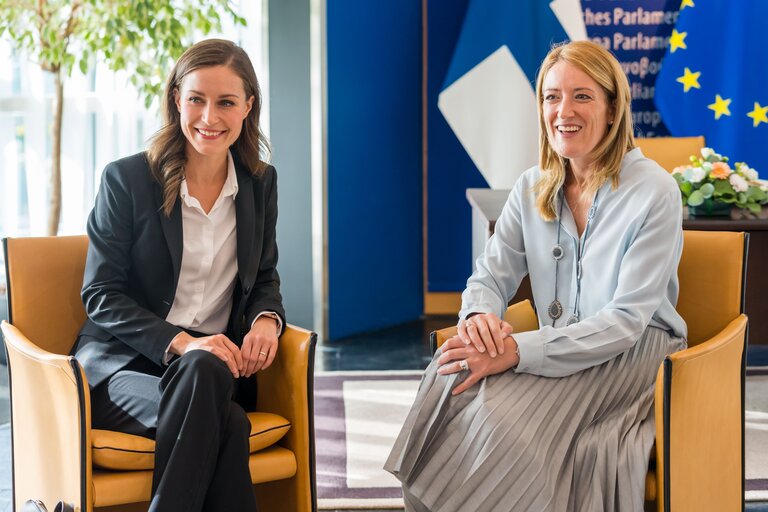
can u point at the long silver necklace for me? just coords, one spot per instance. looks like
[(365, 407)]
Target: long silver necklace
[(555, 309)]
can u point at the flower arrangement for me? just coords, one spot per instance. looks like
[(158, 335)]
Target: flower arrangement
[(710, 180)]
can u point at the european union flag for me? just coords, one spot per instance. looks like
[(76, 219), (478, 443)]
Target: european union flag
[(714, 78)]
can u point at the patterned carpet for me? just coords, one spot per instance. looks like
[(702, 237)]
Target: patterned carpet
[(358, 415), (756, 418)]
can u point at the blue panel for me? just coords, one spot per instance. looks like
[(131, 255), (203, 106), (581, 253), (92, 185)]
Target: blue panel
[(374, 164), (450, 170)]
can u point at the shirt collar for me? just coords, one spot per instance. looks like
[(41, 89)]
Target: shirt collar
[(230, 187)]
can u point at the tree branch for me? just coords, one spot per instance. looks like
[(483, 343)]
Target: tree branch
[(71, 22)]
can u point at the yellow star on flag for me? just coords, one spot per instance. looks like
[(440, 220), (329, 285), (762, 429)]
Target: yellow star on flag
[(690, 79), (720, 106), (759, 115), (677, 40), (686, 3)]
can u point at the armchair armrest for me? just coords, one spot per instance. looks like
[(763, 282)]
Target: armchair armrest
[(286, 388), (520, 315), (50, 415), (699, 403)]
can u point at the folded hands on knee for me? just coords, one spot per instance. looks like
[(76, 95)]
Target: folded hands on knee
[(483, 346), (257, 352)]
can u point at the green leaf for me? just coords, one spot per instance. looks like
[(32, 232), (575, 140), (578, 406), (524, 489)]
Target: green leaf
[(696, 198), (723, 189), (686, 187), (144, 37), (707, 190), (754, 208), (756, 194)]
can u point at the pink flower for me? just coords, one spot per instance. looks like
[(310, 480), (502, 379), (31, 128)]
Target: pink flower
[(738, 183)]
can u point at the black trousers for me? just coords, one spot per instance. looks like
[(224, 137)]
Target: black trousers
[(200, 430)]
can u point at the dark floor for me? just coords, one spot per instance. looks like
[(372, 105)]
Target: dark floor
[(757, 355), (403, 347)]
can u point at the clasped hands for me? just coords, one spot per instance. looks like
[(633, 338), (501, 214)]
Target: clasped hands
[(257, 353), (484, 345)]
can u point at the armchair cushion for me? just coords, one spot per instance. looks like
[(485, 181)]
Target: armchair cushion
[(266, 430), (119, 451), (116, 450)]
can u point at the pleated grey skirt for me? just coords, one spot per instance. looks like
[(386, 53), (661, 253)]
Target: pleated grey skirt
[(521, 442)]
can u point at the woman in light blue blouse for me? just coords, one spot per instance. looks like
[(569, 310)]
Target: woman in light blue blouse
[(559, 418)]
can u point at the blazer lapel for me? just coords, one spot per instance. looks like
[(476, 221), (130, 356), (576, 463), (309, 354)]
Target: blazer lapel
[(173, 231), (245, 212)]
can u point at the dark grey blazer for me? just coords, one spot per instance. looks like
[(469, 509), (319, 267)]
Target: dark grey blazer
[(134, 259)]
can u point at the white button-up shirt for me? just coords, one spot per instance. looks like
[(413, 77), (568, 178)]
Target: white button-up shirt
[(203, 300), (629, 269)]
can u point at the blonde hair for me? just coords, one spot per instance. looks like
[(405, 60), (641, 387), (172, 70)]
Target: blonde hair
[(603, 68), (167, 147)]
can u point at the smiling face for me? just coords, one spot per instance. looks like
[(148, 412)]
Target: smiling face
[(212, 104), (576, 113)]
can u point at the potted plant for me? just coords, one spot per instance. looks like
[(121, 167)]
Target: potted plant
[(709, 186)]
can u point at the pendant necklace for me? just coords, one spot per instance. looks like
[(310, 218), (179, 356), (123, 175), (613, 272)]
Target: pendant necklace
[(555, 309)]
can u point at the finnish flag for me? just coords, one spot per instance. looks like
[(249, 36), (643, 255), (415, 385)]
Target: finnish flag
[(488, 95)]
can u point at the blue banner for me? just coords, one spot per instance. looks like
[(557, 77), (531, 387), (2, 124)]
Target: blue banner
[(637, 32)]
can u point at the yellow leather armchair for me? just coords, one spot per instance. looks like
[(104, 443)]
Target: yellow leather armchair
[(698, 463), (55, 453), (670, 152)]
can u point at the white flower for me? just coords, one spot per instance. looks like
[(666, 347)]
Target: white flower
[(738, 183), (697, 174), (707, 152), (749, 173)]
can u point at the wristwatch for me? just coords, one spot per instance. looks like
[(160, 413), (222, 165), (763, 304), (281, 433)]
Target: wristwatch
[(271, 315)]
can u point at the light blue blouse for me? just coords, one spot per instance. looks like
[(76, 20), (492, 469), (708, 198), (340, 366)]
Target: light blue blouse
[(629, 269)]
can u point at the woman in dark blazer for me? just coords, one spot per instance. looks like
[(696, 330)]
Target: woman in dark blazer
[(181, 287)]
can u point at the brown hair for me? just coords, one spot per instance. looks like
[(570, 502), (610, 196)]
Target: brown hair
[(166, 152), (603, 68)]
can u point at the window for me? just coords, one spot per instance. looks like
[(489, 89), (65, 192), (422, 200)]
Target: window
[(103, 120)]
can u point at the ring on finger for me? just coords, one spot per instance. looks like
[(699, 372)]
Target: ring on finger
[(263, 354), (464, 365)]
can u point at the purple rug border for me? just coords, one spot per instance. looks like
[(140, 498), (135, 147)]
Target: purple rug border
[(334, 382), (335, 410)]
